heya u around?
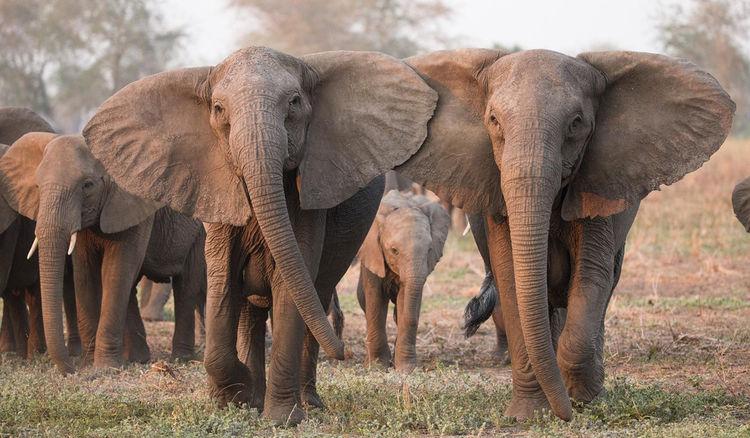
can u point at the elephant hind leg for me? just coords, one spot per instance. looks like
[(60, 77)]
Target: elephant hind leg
[(36, 342), (7, 339), (136, 347)]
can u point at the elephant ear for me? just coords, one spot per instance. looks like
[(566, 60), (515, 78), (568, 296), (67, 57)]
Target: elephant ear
[(456, 161), (370, 114), (123, 210), (7, 214), (658, 119), (370, 253), (18, 165), (741, 203), (155, 140), (440, 222)]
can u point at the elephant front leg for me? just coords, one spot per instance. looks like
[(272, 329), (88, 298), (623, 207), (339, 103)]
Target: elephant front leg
[(36, 342), (580, 348), (122, 261), (7, 340), (185, 292), (283, 400), (229, 379), (251, 345), (87, 262), (528, 398), (16, 317), (501, 337), (71, 317), (376, 315)]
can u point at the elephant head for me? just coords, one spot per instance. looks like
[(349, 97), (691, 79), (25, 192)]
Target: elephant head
[(513, 133), (214, 142), (55, 180), (407, 239), (741, 203)]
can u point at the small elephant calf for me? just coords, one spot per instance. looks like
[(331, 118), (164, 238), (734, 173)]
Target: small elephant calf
[(402, 248)]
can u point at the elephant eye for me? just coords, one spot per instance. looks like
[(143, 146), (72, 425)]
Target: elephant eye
[(394, 251), (493, 119), (575, 124), (218, 108), (296, 100), (87, 185)]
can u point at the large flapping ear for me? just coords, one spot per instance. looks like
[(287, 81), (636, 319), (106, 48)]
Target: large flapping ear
[(370, 113), (7, 214), (123, 210), (658, 119), (440, 223), (741, 203), (154, 138), (370, 253), (18, 185), (456, 161)]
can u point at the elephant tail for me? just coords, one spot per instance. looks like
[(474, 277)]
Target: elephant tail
[(479, 309), (337, 316)]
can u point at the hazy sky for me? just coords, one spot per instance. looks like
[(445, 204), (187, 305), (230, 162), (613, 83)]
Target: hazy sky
[(569, 26)]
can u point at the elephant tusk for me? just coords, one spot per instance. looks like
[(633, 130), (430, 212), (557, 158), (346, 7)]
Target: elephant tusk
[(33, 248), (468, 226), (72, 243)]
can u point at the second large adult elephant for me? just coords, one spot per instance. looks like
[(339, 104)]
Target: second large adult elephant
[(114, 239), (264, 146), (557, 152), (22, 330)]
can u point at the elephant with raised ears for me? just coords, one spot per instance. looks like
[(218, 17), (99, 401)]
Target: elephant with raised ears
[(22, 329), (539, 137), (113, 237), (262, 145), (402, 248)]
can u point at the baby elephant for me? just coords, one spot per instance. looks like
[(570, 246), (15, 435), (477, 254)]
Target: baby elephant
[(404, 243)]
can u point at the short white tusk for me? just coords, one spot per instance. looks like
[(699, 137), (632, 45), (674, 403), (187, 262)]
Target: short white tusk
[(72, 243), (468, 226), (33, 248)]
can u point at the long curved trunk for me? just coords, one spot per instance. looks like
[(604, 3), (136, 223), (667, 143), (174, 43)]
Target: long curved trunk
[(410, 296), (58, 218), (264, 141), (530, 180)]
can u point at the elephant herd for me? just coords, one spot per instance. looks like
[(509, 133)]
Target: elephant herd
[(252, 184)]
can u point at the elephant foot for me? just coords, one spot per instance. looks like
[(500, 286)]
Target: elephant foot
[(379, 359), (182, 355), (502, 357), (107, 362), (586, 393), (153, 315), (526, 407), (140, 354), (405, 366), (311, 399), (74, 346), (284, 415), (584, 382), (240, 393)]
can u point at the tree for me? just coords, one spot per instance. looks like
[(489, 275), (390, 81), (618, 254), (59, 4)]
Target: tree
[(63, 60), (714, 34), (398, 27)]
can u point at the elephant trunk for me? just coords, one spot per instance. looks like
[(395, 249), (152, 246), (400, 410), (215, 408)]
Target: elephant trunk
[(410, 295), (264, 142), (55, 226), (530, 180)]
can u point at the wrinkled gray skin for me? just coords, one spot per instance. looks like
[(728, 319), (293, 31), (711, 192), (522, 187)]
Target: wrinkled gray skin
[(559, 268), (22, 331), (264, 147), (556, 153), (114, 238), (402, 248)]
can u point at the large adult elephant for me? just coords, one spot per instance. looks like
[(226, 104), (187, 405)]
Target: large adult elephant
[(22, 330), (268, 148), (546, 145), (741, 202), (114, 238)]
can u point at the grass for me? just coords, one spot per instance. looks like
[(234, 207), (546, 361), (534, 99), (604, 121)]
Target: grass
[(677, 352)]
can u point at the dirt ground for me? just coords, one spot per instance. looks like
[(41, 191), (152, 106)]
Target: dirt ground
[(677, 350)]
